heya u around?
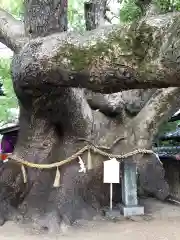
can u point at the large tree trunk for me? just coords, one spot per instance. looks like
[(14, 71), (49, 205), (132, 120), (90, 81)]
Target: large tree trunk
[(54, 118), (50, 127)]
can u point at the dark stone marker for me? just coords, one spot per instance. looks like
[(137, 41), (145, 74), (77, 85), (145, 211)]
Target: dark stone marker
[(129, 206)]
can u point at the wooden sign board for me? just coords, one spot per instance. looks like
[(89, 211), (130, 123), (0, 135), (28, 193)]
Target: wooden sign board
[(111, 171)]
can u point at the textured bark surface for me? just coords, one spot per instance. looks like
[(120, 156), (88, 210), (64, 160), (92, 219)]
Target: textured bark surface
[(51, 123), (114, 58), (94, 13), (11, 31), (45, 17), (54, 115), (131, 101)]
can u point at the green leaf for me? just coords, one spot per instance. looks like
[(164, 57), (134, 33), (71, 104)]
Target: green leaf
[(9, 101), (15, 7)]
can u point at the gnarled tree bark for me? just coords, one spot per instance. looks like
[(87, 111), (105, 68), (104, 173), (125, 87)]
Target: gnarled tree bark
[(54, 115), (113, 58), (11, 31), (48, 134)]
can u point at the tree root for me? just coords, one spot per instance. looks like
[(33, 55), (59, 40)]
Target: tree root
[(80, 195)]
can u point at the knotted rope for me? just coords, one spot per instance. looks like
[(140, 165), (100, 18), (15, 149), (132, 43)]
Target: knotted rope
[(88, 148)]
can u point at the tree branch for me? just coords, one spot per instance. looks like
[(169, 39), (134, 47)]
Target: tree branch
[(143, 5), (11, 31), (161, 106), (45, 17), (94, 12), (53, 18), (113, 104), (110, 59)]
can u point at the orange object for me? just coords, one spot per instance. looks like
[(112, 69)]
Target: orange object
[(3, 156)]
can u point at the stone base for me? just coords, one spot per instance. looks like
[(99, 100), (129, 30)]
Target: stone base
[(113, 214), (131, 211)]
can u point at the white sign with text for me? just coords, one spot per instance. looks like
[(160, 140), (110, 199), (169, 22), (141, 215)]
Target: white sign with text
[(111, 171)]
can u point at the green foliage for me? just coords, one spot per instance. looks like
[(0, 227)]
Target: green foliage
[(167, 127), (15, 7), (130, 11), (164, 128), (10, 100), (168, 5), (76, 15)]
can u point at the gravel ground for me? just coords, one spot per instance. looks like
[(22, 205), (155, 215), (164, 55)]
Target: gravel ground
[(161, 222)]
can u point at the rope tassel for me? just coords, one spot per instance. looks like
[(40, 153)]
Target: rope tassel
[(23, 170), (73, 157), (89, 160), (57, 178)]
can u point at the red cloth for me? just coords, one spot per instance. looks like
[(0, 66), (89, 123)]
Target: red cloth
[(3, 156)]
